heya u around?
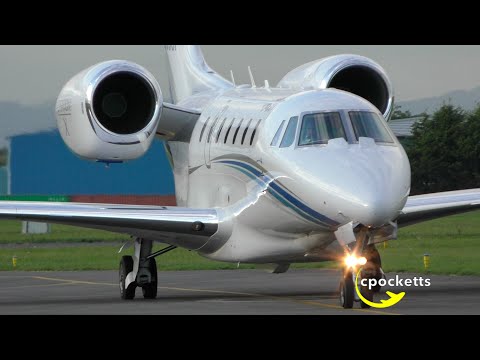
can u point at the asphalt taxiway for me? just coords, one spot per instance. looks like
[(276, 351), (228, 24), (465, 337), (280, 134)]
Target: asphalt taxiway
[(239, 292)]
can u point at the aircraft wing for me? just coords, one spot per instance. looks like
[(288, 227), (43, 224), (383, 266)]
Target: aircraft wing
[(187, 228), (432, 206)]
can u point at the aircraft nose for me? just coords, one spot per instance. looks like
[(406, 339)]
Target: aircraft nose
[(374, 208), (375, 188), (362, 183)]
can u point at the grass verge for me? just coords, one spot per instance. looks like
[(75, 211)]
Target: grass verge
[(10, 233), (453, 244)]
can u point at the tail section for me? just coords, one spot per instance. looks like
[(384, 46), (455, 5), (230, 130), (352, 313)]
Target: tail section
[(190, 74)]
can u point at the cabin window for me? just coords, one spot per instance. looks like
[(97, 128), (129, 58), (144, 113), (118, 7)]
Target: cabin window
[(221, 128), (254, 132), (290, 133), (236, 131), (246, 130), (211, 130), (203, 129), (320, 128), (228, 131), (277, 135), (370, 125)]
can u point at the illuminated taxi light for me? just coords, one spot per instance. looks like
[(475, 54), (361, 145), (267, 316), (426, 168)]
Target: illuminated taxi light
[(352, 261)]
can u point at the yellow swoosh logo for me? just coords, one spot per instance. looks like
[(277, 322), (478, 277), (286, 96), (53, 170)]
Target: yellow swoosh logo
[(394, 298)]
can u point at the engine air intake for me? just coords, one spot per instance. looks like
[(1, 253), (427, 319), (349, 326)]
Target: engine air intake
[(124, 103), (364, 82)]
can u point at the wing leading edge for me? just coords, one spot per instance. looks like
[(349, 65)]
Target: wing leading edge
[(432, 206), (187, 228)]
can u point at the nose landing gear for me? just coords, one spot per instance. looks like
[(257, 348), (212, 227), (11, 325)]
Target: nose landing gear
[(370, 270), (367, 258)]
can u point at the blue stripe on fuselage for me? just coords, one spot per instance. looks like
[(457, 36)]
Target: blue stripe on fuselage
[(281, 194)]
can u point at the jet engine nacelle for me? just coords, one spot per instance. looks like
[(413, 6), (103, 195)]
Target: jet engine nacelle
[(110, 111), (356, 74)]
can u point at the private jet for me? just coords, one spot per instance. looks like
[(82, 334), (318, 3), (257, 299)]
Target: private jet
[(304, 171)]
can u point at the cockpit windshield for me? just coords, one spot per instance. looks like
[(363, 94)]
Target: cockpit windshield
[(370, 125), (320, 128)]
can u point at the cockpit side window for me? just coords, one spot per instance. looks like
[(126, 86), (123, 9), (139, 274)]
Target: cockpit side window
[(320, 128), (290, 133), (277, 135), (370, 125)]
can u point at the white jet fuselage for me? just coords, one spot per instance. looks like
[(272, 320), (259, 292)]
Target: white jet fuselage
[(306, 171), (286, 202)]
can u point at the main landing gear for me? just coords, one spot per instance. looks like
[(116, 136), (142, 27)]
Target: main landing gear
[(140, 270)]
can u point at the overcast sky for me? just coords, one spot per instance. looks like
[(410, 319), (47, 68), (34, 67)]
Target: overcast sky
[(35, 74)]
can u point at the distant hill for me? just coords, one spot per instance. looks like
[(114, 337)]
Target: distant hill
[(16, 119), (466, 99)]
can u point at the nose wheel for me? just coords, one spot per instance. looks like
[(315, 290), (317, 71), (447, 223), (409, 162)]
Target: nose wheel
[(347, 290)]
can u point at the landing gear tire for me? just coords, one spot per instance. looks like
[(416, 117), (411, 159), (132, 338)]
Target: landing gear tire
[(373, 268), (347, 295), (126, 267), (367, 295), (150, 290)]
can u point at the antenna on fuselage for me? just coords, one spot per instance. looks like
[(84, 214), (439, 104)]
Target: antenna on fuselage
[(267, 86), (233, 78), (251, 78)]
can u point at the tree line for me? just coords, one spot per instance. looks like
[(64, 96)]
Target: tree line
[(444, 151)]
